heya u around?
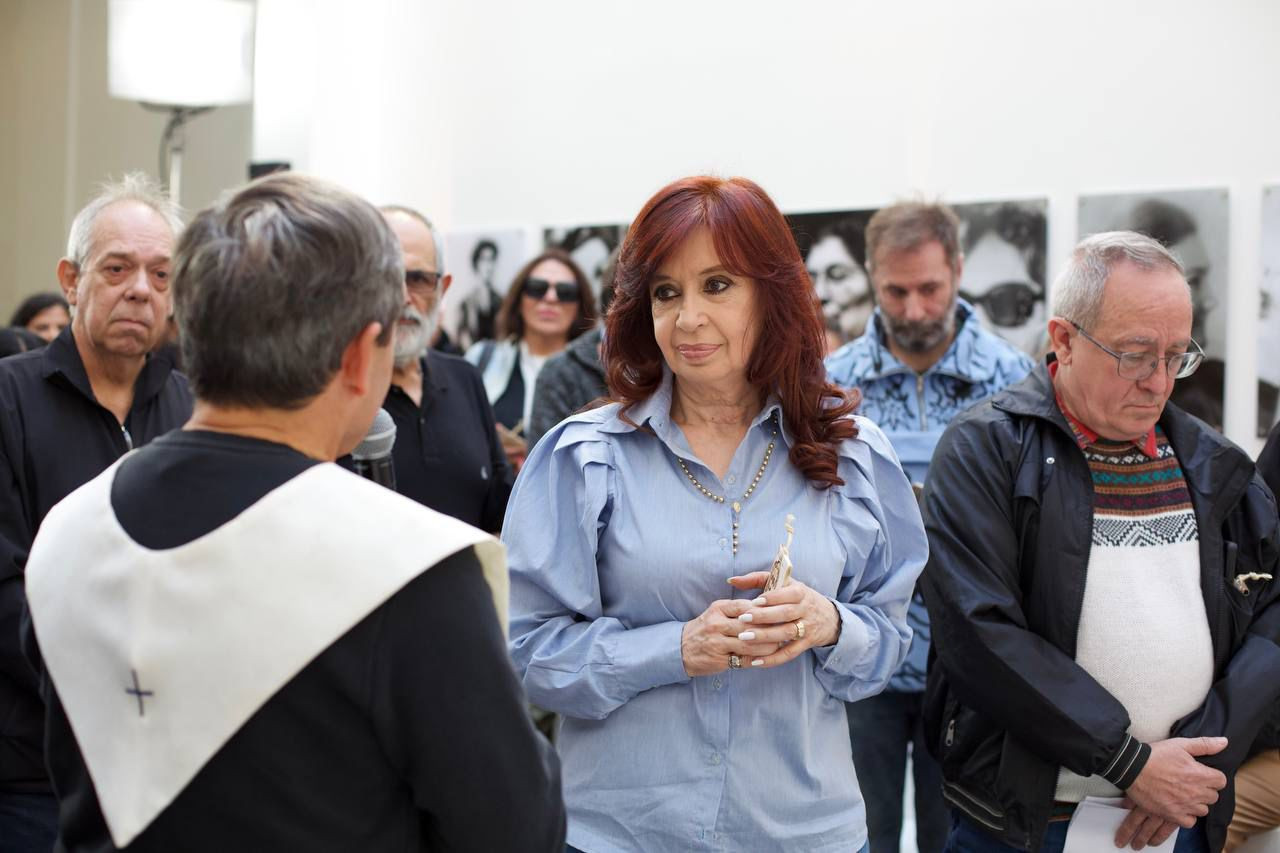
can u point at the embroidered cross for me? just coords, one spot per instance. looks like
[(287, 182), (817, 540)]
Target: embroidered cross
[(136, 690)]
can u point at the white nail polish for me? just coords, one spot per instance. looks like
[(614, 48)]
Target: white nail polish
[(745, 617), (757, 662), (760, 602), (747, 636)]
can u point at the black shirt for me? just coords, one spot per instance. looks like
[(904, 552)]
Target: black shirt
[(447, 455), (408, 733), (54, 438)]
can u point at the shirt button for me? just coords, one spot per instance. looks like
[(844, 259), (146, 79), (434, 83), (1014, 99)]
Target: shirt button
[(723, 542), (715, 758), (717, 684), (731, 479), (1048, 460)]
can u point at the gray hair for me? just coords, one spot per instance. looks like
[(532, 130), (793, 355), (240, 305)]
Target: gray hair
[(436, 239), (271, 284), (134, 186), (1077, 294)]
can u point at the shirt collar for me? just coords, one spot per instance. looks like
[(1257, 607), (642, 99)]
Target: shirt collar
[(1085, 436), (61, 357), (655, 412)]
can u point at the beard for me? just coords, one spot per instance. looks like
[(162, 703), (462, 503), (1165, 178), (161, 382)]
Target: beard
[(414, 333), (924, 335)]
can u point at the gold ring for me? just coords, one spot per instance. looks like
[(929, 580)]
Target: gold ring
[(735, 662), (799, 629)]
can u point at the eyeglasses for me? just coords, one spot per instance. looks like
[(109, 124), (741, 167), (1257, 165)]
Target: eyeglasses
[(1009, 304), (1137, 366), (421, 281), (566, 291)]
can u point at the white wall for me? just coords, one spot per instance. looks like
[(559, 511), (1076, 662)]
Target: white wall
[(559, 111)]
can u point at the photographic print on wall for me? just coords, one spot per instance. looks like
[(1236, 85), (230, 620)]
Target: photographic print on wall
[(1004, 270), (834, 247), (1004, 246), (483, 264), (1269, 313), (1193, 225), (590, 246)]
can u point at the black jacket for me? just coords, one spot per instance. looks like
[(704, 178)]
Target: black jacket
[(567, 382), (54, 437), (1009, 511)]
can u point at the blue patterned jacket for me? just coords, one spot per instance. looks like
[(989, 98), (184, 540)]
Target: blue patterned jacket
[(913, 410)]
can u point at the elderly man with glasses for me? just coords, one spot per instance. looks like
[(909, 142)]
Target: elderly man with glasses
[(1100, 580), (447, 455)]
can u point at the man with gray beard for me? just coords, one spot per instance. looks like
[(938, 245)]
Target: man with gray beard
[(447, 455), (923, 359)]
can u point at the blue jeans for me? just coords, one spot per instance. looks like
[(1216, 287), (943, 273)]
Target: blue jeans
[(969, 837), (880, 729), (28, 823)]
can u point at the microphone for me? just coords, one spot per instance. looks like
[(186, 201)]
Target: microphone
[(372, 457)]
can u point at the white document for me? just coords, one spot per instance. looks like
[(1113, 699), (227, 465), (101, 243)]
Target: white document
[(1093, 827)]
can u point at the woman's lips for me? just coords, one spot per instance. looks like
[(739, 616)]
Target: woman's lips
[(697, 352)]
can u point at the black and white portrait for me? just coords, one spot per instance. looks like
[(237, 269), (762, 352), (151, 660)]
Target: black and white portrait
[(1193, 225), (482, 264), (1004, 245), (590, 246), (1269, 313), (834, 248)]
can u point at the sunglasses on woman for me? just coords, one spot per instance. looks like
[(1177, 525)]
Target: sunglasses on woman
[(566, 291)]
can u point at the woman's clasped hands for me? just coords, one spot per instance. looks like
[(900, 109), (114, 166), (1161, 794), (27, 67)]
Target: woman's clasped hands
[(770, 630)]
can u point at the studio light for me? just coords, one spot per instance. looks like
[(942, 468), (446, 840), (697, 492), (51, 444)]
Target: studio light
[(182, 57)]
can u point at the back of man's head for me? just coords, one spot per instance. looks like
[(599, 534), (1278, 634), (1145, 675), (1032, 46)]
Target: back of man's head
[(908, 225), (272, 283)]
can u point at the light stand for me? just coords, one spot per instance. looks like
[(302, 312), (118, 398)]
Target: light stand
[(173, 142)]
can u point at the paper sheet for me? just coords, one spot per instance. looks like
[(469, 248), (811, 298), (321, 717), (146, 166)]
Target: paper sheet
[(1094, 824)]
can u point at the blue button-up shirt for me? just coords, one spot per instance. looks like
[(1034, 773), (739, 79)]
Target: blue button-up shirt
[(612, 550)]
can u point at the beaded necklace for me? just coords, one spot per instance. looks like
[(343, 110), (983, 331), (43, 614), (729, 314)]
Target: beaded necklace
[(736, 506)]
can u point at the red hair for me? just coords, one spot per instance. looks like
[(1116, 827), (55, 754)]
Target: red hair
[(751, 239)]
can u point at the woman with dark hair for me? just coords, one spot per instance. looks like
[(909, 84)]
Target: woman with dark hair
[(699, 711), (45, 314), (548, 305)]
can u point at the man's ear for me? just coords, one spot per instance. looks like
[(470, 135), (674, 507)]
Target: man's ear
[(445, 284), (68, 276), (1061, 339), (356, 370)]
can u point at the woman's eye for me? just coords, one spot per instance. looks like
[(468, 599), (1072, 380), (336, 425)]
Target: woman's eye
[(664, 292), (716, 285)]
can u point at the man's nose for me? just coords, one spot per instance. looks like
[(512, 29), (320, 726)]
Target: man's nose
[(140, 284)]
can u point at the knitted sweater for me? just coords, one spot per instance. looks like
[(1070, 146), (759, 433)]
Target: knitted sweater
[(1144, 633)]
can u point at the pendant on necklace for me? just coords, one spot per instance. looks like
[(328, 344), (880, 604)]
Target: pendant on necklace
[(737, 507)]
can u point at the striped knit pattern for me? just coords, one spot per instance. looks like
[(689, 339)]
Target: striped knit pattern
[(1143, 632), (1138, 500)]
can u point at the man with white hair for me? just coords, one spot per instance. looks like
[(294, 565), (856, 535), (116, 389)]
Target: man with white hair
[(1099, 584), (66, 413), (447, 454)]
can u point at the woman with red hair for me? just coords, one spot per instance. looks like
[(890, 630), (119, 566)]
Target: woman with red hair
[(701, 707)]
